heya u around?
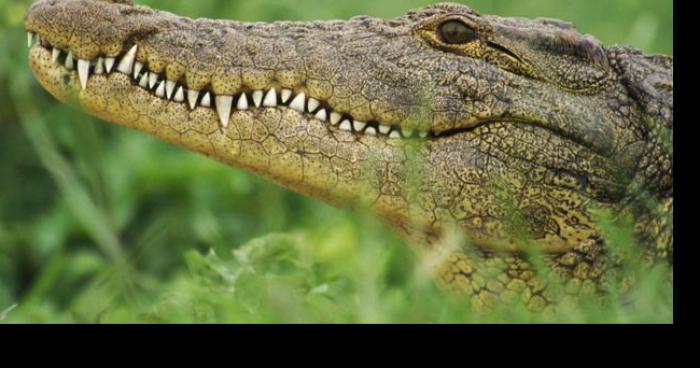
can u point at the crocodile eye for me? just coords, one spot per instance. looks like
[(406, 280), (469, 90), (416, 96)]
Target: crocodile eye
[(455, 32)]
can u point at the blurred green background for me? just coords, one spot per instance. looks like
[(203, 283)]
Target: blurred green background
[(102, 224)]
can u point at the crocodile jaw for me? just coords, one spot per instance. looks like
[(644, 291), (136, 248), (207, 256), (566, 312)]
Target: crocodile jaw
[(274, 142), (116, 61)]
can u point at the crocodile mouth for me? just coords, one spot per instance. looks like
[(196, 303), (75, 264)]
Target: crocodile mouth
[(224, 105)]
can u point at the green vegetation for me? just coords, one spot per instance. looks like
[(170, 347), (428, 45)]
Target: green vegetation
[(103, 224)]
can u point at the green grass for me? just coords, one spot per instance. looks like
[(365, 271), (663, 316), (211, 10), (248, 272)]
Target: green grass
[(103, 224)]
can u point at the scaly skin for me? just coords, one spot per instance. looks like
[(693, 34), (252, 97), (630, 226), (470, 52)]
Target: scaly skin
[(527, 126)]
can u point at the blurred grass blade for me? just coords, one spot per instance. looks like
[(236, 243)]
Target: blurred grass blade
[(82, 206)]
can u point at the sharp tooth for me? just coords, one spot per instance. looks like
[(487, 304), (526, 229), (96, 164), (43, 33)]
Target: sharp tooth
[(346, 125), (298, 102), (285, 94), (257, 98), (70, 64), (160, 91), (144, 81), (335, 118), (242, 103), (30, 39), (169, 88), (270, 98), (359, 125), (100, 66), (126, 65), (83, 72), (423, 134), (313, 104), (223, 107), (137, 69), (192, 98), (407, 132), (55, 53), (321, 115), (394, 134), (152, 79), (371, 130), (206, 100), (109, 63), (179, 95), (384, 129)]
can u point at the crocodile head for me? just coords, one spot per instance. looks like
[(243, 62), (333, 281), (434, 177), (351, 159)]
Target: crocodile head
[(428, 117)]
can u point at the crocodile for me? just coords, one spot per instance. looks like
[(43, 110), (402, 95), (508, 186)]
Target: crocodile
[(454, 127)]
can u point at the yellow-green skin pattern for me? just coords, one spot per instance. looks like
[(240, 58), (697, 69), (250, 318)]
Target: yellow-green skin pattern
[(530, 111)]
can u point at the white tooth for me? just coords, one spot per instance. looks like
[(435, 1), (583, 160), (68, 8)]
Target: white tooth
[(137, 69), (313, 104), (298, 102), (346, 125), (179, 95), (126, 65), (423, 134), (335, 118), (160, 91), (359, 125), (321, 115), (242, 103), (169, 88), (285, 94), (223, 107), (30, 39), (257, 97), (55, 53), (152, 79), (144, 81), (206, 100), (109, 63), (100, 66), (371, 130), (384, 129), (270, 98), (407, 132), (394, 134), (192, 98), (83, 72), (69, 60)]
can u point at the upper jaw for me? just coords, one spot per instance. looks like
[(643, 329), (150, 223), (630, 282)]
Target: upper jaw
[(355, 68), (358, 69), (224, 104), (223, 65)]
